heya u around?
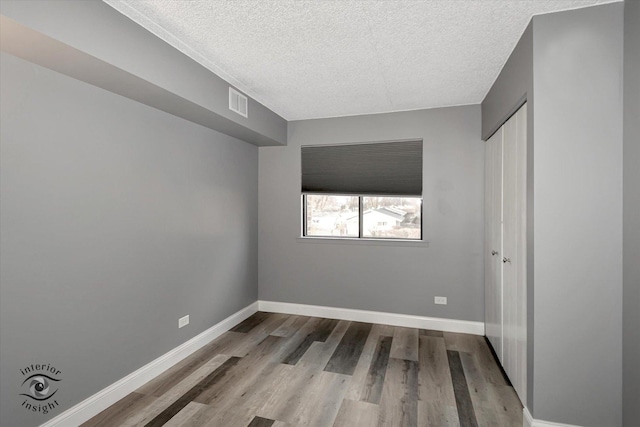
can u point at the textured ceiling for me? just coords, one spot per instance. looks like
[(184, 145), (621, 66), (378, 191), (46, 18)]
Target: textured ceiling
[(311, 59)]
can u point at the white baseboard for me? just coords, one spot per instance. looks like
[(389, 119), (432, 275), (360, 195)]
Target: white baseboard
[(406, 320), (529, 421), (100, 401)]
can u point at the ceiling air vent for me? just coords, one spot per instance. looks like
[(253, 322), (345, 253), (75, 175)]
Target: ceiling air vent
[(238, 102)]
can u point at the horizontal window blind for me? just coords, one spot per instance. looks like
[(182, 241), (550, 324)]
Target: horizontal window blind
[(384, 168)]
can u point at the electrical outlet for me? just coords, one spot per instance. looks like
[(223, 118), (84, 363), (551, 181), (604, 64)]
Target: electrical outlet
[(440, 300), (183, 321)]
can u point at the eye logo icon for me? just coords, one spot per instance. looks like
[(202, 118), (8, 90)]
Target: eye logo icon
[(39, 387)]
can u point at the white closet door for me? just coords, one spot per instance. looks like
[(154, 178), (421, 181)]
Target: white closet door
[(498, 178), (514, 251), (493, 241), (509, 278)]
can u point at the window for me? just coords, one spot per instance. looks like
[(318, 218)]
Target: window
[(381, 217), (368, 191)]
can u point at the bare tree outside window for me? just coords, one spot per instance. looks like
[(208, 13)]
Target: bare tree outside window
[(329, 215)]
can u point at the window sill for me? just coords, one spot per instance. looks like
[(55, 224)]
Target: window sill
[(365, 242)]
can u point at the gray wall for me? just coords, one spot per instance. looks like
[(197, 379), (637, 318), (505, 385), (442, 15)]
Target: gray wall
[(569, 63), (631, 335), (382, 278), (97, 29), (117, 219), (578, 216), (511, 89)]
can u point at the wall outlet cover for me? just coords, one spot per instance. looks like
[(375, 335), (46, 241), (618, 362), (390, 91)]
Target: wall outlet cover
[(183, 321), (440, 300)]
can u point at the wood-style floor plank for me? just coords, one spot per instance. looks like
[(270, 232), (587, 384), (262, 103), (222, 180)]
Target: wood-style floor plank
[(261, 422), (250, 396), (238, 375), (320, 352), (477, 346), (345, 357), (358, 387), (191, 395), (399, 401), (437, 405), (208, 416), (507, 404), (288, 395), (306, 397), (431, 333), (466, 413), (295, 371), (320, 333), (160, 404), (353, 413), (377, 371), (321, 400), (184, 417), (228, 418), (459, 342), (435, 375), (251, 322), (290, 326), (494, 404), (168, 379), (476, 382), (193, 415), (432, 414), (120, 411), (405, 344), (255, 336)]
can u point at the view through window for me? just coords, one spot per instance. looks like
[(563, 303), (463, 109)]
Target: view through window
[(329, 215)]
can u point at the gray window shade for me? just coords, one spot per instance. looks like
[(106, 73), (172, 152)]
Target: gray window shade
[(386, 168)]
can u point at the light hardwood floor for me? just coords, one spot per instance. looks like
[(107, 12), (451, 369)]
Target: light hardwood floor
[(282, 370)]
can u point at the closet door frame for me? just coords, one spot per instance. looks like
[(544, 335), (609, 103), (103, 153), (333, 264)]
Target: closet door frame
[(521, 251), (505, 233)]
